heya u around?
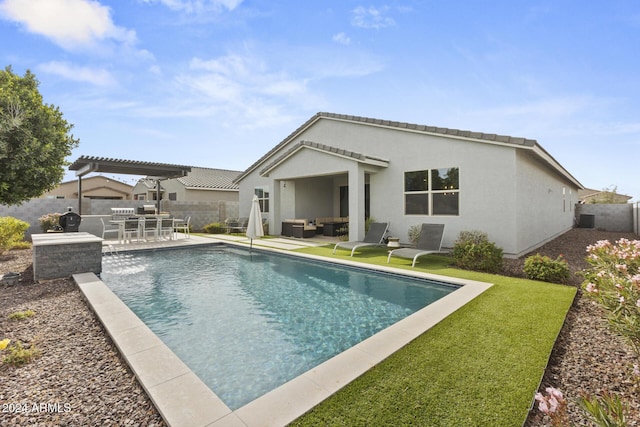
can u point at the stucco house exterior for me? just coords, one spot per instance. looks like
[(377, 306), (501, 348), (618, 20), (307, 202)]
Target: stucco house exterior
[(200, 185), (93, 187), (589, 195), (337, 165)]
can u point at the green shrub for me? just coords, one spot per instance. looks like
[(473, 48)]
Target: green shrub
[(215, 228), (48, 221), (11, 232), (473, 251), (543, 268)]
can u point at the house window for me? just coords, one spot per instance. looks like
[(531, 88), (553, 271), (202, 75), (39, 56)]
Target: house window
[(431, 192), (570, 200), (173, 196), (263, 198)]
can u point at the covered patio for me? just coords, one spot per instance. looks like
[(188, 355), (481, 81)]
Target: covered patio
[(314, 180)]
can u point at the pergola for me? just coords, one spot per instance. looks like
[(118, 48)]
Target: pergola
[(158, 171)]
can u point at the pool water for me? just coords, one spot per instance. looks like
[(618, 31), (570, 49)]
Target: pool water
[(246, 323)]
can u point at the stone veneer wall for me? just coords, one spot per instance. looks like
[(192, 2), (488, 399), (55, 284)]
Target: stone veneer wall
[(58, 255)]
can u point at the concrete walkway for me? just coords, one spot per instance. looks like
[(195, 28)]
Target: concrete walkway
[(282, 243)]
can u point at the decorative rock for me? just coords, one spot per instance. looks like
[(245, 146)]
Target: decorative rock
[(10, 278)]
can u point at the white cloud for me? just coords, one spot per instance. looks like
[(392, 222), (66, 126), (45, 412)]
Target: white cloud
[(198, 6), (342, 38), (71, 24), (242, 82), (95, 76), (236, 90), (372, 17)]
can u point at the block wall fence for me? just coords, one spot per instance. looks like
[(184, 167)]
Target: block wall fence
[(201, 213), (611, 217)]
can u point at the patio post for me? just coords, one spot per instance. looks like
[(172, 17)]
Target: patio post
[(356, 202), (79, 195), (158, 196), (275, 222)]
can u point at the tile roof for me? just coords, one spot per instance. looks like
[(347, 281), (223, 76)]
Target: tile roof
[(411, 127), (428, 129), (206, 178), (326, 148)]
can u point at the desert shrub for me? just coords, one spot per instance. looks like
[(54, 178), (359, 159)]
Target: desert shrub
[(11, 232), (473, 251), (543, 268), (414, 233), (368, 222), (21, 315), (215, 228), (48, 221), (19, 355), (473, 236)]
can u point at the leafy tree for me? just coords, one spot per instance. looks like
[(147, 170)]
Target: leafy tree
[(34, 140)]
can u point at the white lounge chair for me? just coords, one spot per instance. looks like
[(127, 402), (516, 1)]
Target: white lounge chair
[(429, 242), (374, 237)]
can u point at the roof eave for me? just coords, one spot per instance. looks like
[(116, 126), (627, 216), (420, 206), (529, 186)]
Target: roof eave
[(548, 158), (345, 154)]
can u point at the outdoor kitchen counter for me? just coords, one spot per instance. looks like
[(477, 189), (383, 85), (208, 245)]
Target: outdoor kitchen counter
[(57, 255)]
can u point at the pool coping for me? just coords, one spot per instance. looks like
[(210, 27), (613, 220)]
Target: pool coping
[(182, 399)]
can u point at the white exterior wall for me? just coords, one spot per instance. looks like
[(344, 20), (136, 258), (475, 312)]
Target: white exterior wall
[(546, 203), (498, 184), (487, 177), (173, 186)]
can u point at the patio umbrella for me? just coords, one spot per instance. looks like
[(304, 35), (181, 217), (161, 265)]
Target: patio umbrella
[(254, 227)]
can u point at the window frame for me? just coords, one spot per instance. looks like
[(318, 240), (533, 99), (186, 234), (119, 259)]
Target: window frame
[(434, 206), (263, 200)]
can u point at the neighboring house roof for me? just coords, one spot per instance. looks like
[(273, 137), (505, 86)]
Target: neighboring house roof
[(212, 179), (94, 178), (591, 194), (203, 179), (490, 138), (149, 183)]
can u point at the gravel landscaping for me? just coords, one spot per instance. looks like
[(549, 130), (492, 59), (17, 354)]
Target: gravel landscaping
[(80, 379)]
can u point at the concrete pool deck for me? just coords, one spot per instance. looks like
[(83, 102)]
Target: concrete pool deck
[(184, 400)]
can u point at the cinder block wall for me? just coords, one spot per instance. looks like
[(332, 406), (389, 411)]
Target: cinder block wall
[(201, 213), (609, 217)]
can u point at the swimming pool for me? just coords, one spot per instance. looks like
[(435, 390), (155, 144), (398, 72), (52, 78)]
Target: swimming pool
[(247, 323)]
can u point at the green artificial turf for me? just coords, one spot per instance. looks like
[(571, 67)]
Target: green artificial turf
[(480, 366)]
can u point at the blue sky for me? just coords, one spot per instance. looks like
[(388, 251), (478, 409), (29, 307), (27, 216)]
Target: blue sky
[(217, 83)]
